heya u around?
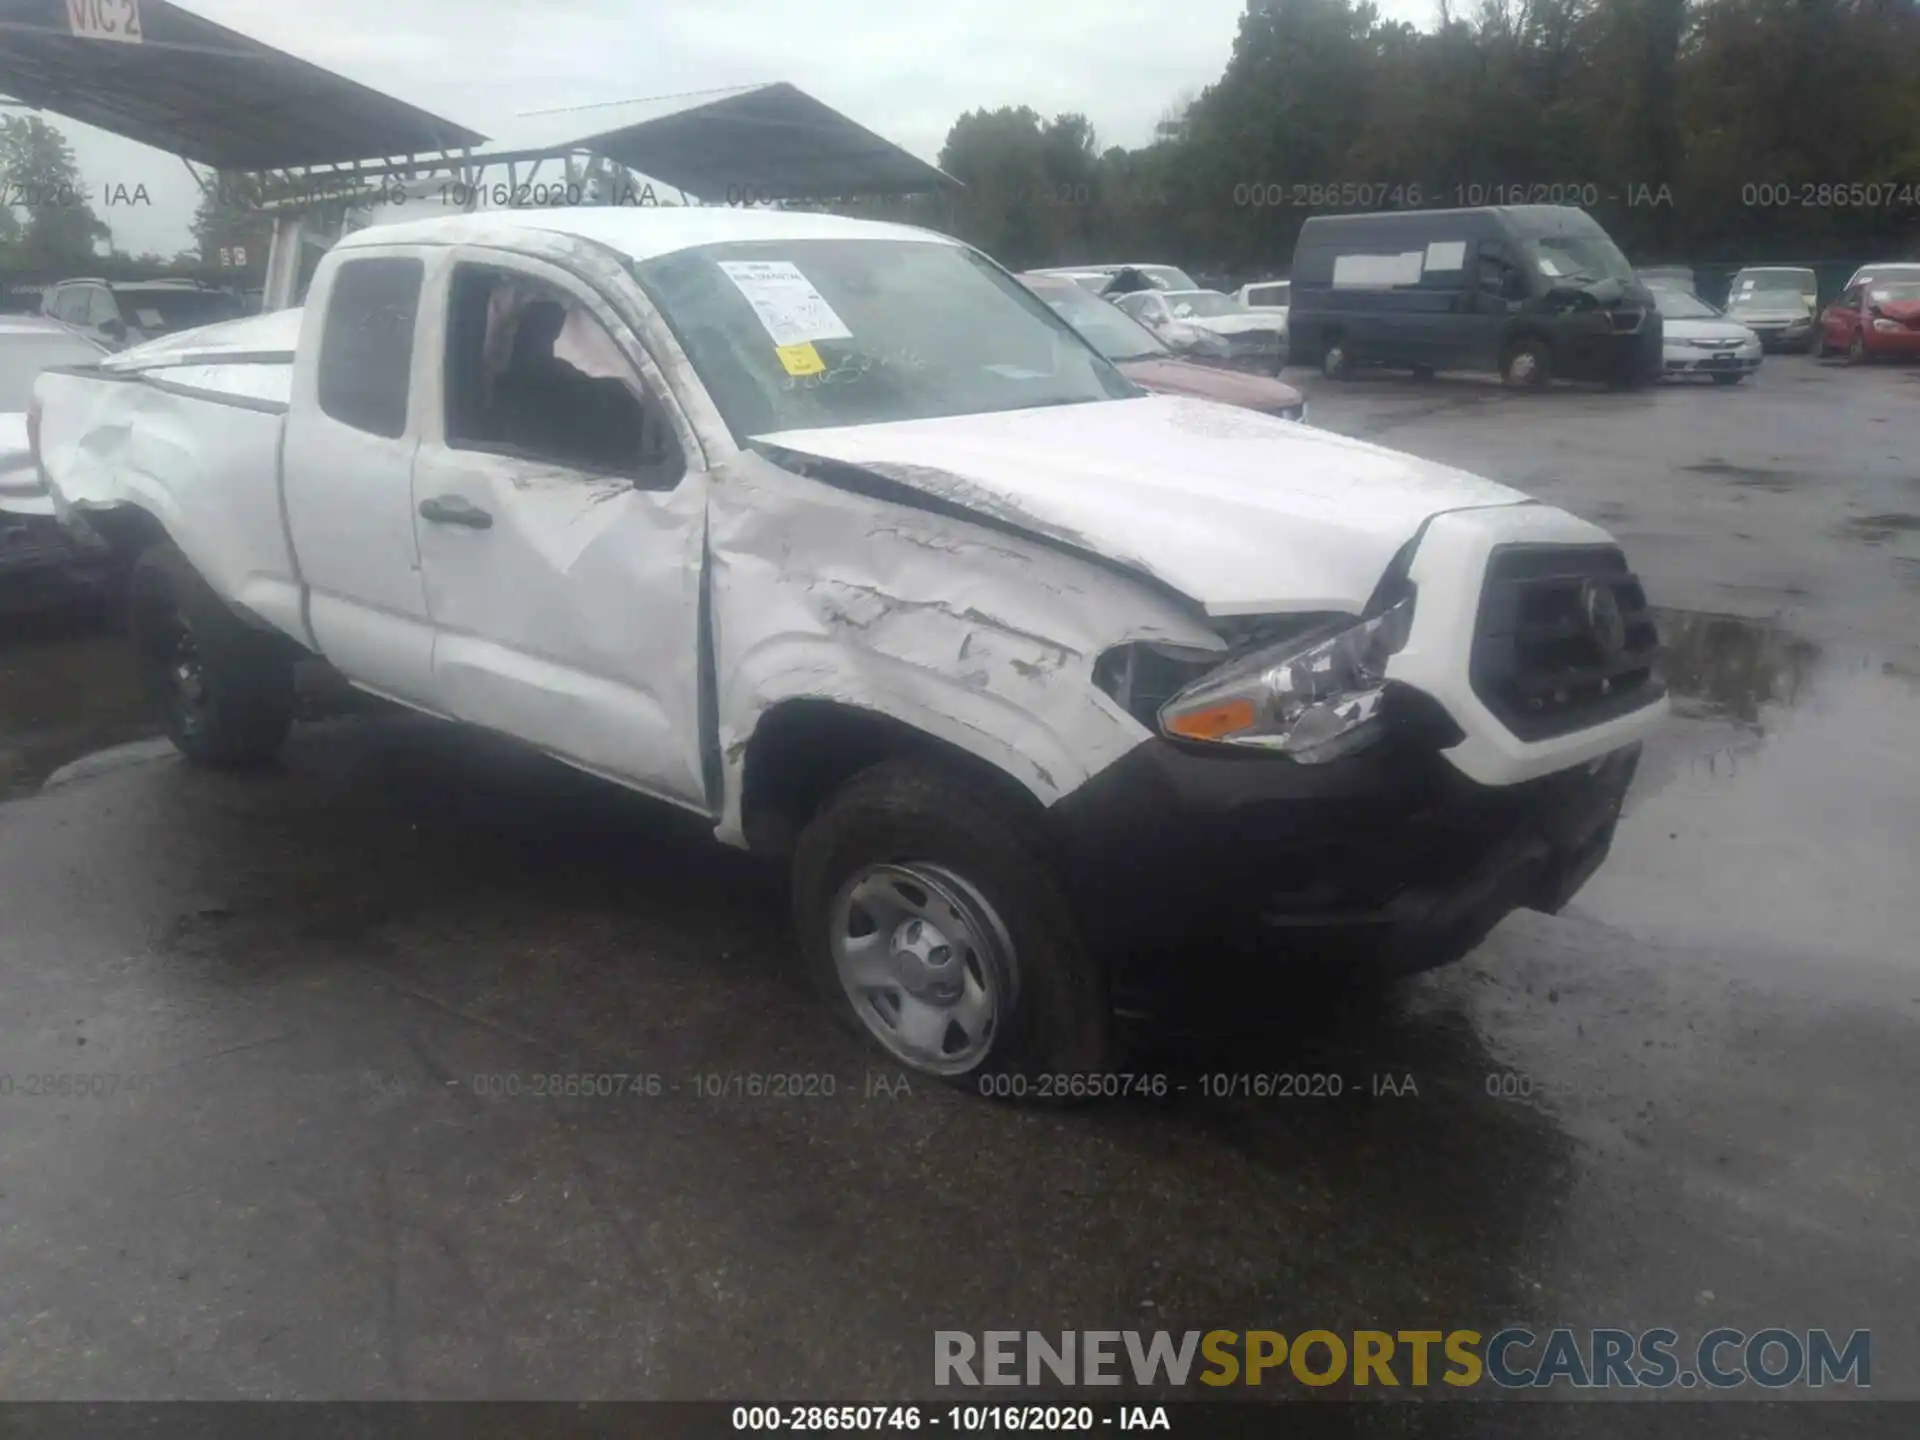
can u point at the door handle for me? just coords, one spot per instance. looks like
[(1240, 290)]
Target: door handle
[(455, 510)]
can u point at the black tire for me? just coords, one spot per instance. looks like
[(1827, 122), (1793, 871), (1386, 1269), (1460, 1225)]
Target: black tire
[(235, 708), (1335, 362), (1729, 379), (1527, 365), (1055, 1017)]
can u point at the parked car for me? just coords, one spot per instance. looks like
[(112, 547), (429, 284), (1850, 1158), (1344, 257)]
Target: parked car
[(1876, 319), (1254, 339), (1163, 277), (1779, 303), (1885, 270), (1531, 292), (1700, 340), (831, 533), (119, 313), (40, 560), (1153, 366)]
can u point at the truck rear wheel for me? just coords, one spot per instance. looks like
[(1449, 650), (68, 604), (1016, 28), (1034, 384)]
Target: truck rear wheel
[(223, 690), (930, 921)]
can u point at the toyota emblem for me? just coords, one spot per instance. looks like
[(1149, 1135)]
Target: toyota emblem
[(1601, 610)]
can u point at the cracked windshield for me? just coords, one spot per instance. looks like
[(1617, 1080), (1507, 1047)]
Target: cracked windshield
[(773, 719)]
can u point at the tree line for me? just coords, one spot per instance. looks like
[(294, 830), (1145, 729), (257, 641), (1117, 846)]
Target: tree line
[(1693, 130)]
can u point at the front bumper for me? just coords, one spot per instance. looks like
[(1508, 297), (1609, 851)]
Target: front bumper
[(1781, 334), (1388, 861), (1903, 344), (1687, 360)]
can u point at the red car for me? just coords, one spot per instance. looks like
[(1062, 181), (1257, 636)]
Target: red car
[(1143, 359), (1873, 319)]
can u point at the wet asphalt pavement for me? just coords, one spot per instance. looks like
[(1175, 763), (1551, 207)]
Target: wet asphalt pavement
[(1688, 1101)]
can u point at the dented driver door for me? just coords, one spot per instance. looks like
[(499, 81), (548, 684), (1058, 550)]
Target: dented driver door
[(561, 512)]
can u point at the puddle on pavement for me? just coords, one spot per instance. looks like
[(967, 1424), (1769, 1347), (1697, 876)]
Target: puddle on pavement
[(67, 689), (1780, 813)]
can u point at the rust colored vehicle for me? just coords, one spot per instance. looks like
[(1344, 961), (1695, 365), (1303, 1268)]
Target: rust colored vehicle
[(1150, 364), (1873, 319)]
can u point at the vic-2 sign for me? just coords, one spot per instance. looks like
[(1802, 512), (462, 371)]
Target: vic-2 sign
[(106, 20)]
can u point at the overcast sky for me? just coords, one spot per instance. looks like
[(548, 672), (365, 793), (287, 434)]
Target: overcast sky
[(905, 70)]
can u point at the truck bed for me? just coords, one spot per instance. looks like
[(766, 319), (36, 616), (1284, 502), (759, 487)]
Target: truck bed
[(189, 429)]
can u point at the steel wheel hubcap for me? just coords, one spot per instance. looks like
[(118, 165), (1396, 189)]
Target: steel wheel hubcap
[(1523, 366), (925, 961)]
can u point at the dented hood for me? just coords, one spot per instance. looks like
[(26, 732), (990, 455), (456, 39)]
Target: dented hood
[(1244, 513)]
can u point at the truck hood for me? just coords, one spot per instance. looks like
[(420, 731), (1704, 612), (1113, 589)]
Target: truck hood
[(1244, 513)]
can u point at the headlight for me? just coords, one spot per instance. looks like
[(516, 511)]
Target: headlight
[(1315, 697), (1885, 325)]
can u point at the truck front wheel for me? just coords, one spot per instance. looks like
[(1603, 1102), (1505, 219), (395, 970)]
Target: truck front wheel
[(223, 690), (930, 921)]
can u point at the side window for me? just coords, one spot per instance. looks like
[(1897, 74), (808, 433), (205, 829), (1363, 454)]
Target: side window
[(366, 350), (1494, 265), (70, 304), (100, 306), (1135, 305), (531, 372), (1850, 300)]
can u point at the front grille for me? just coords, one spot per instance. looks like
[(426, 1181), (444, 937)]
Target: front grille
[(1542, 660)]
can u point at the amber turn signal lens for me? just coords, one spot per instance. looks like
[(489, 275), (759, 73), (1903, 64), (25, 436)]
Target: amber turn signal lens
[(1212, 722)]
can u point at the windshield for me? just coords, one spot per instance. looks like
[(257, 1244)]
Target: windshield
[(159, 312), (1580, 255), (1774, 284), (1204, 303), (1677, 305), (798, 334), (1894, 290), (1109, 329), (22, 357)]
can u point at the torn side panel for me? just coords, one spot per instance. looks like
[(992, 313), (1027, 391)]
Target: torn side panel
[(982, 639), (207, 471)]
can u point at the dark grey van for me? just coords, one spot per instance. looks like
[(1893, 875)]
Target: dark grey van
[(1532, 292)]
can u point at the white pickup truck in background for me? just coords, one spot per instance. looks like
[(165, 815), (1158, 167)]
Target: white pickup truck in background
[(832, 533)]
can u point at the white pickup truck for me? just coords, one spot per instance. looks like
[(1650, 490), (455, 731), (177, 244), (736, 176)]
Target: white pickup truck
[(832, 533)]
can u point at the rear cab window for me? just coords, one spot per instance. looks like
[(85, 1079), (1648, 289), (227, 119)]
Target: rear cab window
[(366, 346)]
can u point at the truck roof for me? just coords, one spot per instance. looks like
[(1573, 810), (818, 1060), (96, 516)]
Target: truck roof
[(639, 232)]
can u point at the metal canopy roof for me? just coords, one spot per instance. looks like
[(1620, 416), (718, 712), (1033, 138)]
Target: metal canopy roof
[(757, 142), (206, 92)]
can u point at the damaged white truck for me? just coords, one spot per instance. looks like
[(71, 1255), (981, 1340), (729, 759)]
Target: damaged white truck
[(832, 533)]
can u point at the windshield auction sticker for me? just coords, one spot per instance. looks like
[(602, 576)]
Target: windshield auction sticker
[(801, 359), (792, 310)]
